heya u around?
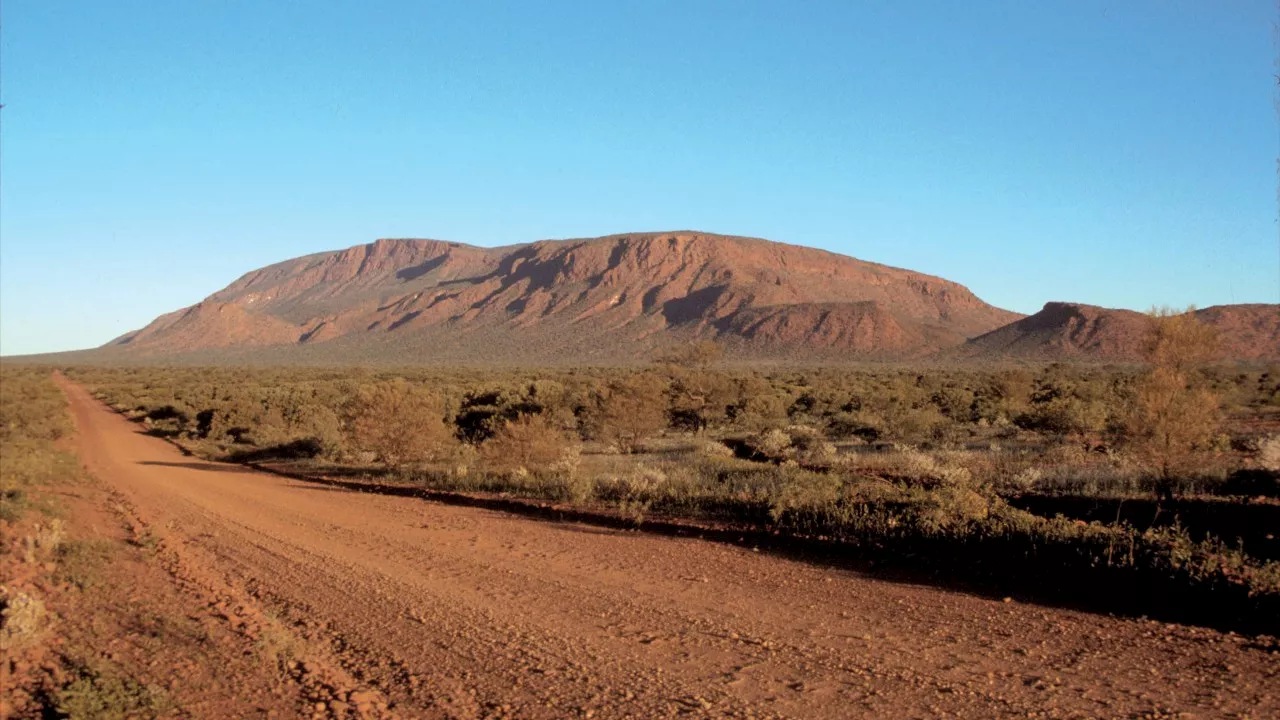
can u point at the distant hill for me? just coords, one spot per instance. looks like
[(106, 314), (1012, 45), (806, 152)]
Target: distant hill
[(1072, 331), (612, 298)]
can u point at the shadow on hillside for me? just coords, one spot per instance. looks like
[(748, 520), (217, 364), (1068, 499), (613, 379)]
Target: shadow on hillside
[(417, 271)]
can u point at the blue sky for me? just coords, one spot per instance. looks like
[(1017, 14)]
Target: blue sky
[(1119, 153)]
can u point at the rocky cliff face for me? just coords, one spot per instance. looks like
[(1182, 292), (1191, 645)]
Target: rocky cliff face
[(618, 297)]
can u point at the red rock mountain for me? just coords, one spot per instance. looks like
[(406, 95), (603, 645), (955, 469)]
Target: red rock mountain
[(1071, 331), (609, 298)]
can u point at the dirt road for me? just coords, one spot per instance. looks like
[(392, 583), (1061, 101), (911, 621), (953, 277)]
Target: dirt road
[(441, 611)]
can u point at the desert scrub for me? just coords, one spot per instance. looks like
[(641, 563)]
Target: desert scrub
[(22, 617), (529, 442), (33, 416), (1055, 429), (101, 694), (80, 562), (400, 422), (959, 530), (31, 406), (45, 540), (256, 408), (278, 646)]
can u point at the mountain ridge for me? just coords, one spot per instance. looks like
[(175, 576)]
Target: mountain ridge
[(624, 297), (637, 290)]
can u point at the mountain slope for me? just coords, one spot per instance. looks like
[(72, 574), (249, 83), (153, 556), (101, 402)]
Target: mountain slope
[(1067, 331), (615, 297)]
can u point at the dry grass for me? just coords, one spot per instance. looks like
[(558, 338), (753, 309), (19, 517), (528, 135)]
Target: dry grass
[(22, 617), (43, 542), (99, 694)]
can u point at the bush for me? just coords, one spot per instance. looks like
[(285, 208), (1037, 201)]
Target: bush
[(773, 444), (22, 617), (399, 422), (528, 443), (852, 425), (631, 410), (1067, 415), (636, 491), (98, 695), (1174, 419)]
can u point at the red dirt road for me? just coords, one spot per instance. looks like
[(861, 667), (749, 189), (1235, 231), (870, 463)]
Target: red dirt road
[(444, 611)]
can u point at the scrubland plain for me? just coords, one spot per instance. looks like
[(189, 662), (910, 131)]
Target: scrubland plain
[(727, 541)]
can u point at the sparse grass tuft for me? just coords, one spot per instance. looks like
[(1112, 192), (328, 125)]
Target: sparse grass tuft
[(44, 542), (80, 562), (279, 647), (105, 695), (22, 616)]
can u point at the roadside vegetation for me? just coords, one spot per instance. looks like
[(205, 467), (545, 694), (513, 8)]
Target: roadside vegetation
[(1133, 488), (51, 671)]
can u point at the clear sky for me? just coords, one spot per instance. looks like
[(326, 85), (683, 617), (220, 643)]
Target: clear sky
[(1118, 152)]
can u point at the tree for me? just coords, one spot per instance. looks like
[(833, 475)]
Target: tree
[(1174, 418), (698, 398), (632, 409), (400, 422), (530, 442), (1178, 340)]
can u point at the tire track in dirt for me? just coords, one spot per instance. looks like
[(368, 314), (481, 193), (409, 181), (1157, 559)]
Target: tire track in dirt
[(314, 676), (461, 612)]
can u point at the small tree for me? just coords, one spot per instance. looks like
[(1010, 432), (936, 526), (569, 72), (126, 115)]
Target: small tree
[(698, 398), (1178, 340), (530, 442), (1174, 418), (399, 422), (632, 409)]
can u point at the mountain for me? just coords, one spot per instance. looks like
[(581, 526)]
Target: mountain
[(1072, 331), (1250, 332), (611, 298)]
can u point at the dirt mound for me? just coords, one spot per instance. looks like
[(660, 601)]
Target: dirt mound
[(1067, 331), (415, 299)]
